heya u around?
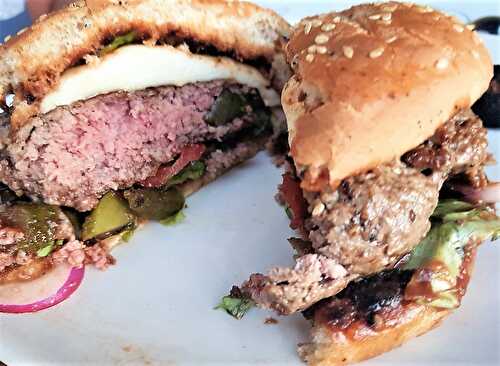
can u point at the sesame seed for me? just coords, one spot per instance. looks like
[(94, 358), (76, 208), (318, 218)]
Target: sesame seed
[(321, 50), (42, 17), (328, 27), (470, 27), (348, 51), (321, 39), (424, 9), (318, 209), (295, 61), (376, 52), (390, 8), (311, 49), (317, 23), (387, 16), (458, 28), (442, 63), (310, 58), (392, 39), (375, 17), (6, 39), (475, 54), (336, 19), (21, 31), (307, 27)]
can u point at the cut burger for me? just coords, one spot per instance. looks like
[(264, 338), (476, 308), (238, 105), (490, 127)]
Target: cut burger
[(383, 146), (115, 111)]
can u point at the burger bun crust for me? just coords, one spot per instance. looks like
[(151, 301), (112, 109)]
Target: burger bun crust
[(373, 82)]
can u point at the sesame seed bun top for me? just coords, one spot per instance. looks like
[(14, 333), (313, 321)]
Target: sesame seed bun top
[(374, 81)]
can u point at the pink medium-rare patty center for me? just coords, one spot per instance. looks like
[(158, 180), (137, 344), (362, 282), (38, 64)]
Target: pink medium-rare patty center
[(74, 154)]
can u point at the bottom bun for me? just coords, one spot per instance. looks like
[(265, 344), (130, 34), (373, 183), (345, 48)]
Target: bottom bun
[(337, 348), (391, 327)]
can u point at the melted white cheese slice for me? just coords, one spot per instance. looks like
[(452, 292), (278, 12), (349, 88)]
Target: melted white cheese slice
[(137, 67)]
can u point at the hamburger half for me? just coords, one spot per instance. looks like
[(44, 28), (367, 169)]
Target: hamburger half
[(115, 111), (384, 180)]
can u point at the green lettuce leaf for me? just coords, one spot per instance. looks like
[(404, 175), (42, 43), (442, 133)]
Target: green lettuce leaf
[(118, 42), (449, 206), (48, 249), (236, 303), (438, 259), (193, 171), (45, 251)]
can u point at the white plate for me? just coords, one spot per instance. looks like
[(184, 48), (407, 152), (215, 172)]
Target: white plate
[(156, 306)]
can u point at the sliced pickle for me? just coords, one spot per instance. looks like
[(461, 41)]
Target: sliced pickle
[(111, 215), (227, 107), (37, 221), (118, 42), (154, 204)]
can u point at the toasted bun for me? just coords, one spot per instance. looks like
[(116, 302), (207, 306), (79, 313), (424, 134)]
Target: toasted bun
[(373, 82), (32, 62), (359, 342), (331, 348)]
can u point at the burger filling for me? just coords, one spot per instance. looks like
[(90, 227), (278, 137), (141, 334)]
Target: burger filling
[(74, 154), (120, 149), (405, 219)]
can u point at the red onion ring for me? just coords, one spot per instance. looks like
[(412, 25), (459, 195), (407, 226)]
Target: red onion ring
[(73, 279), (488, 194)]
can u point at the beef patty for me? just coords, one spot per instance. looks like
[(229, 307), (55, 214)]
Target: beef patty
[(74, 154), (374, 218)]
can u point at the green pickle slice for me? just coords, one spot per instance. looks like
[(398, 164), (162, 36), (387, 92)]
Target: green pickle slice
[(37, 221), (154, 204), (111, 215), (226, 107)]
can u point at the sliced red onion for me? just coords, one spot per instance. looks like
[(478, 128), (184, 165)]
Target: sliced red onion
[(488, 194), (42, 293)]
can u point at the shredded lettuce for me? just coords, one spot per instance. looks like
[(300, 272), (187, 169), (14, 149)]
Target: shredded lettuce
[(118, 42), (45, 251), (193, 171), (449, 206), (236, 304), (48, 249), (440, 254)]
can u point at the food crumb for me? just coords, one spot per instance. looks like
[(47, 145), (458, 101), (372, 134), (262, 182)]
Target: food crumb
[(127, 348), (270, 321)]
